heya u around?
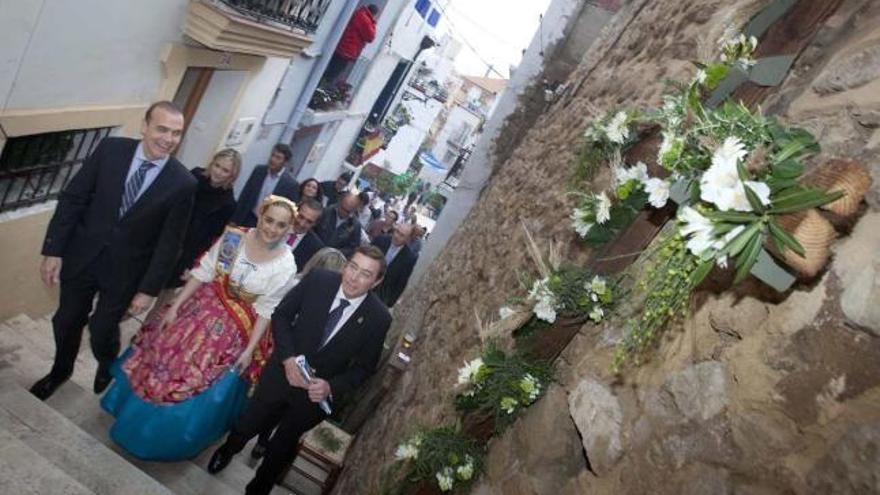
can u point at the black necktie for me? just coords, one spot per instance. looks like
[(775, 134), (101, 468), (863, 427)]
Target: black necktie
[(333, 319)]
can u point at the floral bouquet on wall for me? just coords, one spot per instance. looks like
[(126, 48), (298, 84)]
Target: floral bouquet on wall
[(736, 176), (441, 456), (501, 385)]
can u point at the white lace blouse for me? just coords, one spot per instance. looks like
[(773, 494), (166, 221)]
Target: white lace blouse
[(268, 281)]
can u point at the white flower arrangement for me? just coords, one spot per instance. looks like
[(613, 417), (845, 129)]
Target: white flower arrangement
[(721, 184), (445, 479), (598, 216), (545, 301), (467, 374), (617, 130), (409, 450)]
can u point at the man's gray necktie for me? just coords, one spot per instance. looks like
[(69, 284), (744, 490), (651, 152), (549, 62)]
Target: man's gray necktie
[(133, 186)]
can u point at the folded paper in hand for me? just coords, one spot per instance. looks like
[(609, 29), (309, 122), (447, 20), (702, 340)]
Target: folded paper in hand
[(308, 375)]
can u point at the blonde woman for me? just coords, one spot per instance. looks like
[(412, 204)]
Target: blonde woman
[(213, 207), (185, 377)]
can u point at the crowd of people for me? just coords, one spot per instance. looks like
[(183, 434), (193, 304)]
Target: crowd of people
[(282, 294)]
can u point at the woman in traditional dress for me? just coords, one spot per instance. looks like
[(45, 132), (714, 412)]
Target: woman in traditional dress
[(184, 380)]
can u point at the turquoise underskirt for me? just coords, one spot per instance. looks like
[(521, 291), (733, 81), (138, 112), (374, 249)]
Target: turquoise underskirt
[(172, 432)]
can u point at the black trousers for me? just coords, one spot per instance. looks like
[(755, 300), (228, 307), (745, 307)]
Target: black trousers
[(335, 69), (275, 402), (75, 309)]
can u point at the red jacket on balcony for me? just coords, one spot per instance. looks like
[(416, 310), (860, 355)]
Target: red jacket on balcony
[(361, 29)]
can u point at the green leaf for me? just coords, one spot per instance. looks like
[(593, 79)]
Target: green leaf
[(700, 273), (783, 238), (778, 185), (714, 74), (742, 171), (796, 143), (745, 262), (732, 216), (802, 199), (754, 200), (788, 169), (739, 242)]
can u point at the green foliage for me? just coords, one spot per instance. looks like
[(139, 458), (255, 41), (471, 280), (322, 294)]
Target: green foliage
[(502, 385), (442, 455), (396, 185), (671, 277)]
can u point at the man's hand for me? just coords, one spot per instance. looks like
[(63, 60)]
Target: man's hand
[(318, 390), (140, 303), (294, 377), (169, 318), (50, 270)]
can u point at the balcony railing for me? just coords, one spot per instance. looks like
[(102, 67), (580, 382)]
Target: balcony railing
[(303, 14)]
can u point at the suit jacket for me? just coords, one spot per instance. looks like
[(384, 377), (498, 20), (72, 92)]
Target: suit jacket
[(398, 272), (307, 247), (142, 245), (287, 186), (351, 356), (328, 188), (346, 237)]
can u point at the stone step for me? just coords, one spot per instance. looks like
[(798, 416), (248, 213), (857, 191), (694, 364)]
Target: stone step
[(68, 447), (30, 347), (184, 478), (25, 472)]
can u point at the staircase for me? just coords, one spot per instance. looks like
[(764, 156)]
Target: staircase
[(63, 446)]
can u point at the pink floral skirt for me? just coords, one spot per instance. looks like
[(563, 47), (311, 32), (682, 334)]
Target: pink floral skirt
[(185, 358)]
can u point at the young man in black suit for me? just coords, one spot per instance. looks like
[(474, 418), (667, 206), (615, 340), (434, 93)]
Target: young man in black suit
[(339, 226), (400, 259), (302, 240), (332, 189), (273, 178), (116, 232), (338, 325)]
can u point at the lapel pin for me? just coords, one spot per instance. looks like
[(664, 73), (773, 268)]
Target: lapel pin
[(360, 320)]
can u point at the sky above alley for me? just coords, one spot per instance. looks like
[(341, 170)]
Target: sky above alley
[(492, 32)]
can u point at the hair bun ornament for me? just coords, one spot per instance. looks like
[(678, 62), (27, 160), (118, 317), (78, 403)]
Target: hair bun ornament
[(273, 200), (815, 233), (849, 176)]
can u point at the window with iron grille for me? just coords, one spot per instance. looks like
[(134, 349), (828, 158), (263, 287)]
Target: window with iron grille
[(35, 168)]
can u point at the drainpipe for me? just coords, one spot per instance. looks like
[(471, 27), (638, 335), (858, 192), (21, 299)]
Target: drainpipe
[(318, 68)]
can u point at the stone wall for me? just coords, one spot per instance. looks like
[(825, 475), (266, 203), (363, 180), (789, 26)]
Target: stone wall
[(750, 395)]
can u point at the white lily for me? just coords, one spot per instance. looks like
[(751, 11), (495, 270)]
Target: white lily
[(603, 208), (658, 192)]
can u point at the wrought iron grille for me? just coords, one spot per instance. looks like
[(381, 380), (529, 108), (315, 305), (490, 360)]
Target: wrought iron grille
[(303, 14), (34, 169)]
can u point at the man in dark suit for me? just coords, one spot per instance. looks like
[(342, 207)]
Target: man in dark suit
[(338, 325), (302, 240), (332, 189), (400, 259), (339, 227), (273, 178), (116, 232)]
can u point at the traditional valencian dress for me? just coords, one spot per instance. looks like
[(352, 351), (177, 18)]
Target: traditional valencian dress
[(175, 392)]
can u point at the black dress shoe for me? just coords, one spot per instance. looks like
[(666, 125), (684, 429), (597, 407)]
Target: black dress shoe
[(219, 461), (46, 386), (102, 379), (258, 452)]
